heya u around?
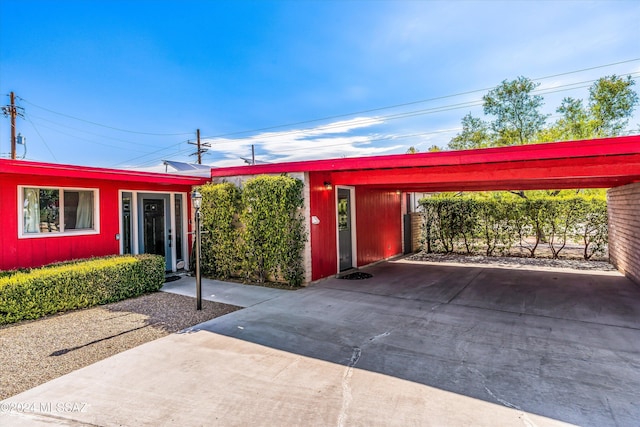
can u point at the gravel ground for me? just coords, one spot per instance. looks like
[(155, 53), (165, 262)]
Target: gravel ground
[(575, 264), (34, 352)]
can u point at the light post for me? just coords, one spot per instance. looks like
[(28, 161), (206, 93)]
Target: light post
[(196, 200)]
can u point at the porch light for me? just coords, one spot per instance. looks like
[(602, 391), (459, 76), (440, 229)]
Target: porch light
[(196, 200), (327, 185)]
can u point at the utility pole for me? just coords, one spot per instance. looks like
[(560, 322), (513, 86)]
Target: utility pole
[(200, 150), (12, 111), (253, 154)]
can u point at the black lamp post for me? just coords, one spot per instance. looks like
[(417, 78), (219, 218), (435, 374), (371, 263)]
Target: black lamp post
[(196, 200)]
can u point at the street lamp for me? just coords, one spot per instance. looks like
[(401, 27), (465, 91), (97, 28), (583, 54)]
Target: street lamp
[(196, 201)]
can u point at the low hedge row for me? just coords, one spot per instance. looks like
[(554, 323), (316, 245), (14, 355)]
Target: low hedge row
[(30, 294)]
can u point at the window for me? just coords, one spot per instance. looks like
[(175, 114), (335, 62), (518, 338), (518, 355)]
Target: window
[(57, 211)]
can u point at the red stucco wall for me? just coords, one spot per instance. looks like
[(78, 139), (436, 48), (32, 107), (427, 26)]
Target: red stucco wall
[(33, 252)]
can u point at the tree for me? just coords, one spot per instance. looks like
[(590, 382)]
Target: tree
[(412, 150), (434, 149), (518, 119), (611, 103), (475, 134)]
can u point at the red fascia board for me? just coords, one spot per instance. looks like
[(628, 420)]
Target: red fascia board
[(625, 167), (548, 184), (84, 172), (555, 150)]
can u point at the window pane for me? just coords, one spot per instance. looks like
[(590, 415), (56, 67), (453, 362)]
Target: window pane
[(179, 227), (40, 212), (78, 210), (126, 223)]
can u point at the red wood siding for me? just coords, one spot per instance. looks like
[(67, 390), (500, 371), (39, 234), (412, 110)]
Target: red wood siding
[(378, 224), (324, 257), (32, 252)]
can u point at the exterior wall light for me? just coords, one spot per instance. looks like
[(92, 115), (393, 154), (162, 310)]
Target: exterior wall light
[(327, 185)]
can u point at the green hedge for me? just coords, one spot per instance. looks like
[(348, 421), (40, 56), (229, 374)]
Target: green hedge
[(470, 224), (220, 244), (38, 292), (256, 233)]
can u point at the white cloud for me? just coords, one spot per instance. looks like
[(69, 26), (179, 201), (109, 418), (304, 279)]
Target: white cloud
[(342, 138)]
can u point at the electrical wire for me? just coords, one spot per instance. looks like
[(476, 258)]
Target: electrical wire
[(40, 135), (405, 104), (101, 125)]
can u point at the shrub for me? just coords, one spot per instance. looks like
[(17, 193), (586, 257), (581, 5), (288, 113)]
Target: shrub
[(221, 242), (470, 222), (71, 285), (273, 233)]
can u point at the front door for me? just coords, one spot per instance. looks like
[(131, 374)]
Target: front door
[(344, 229), (153, 225)]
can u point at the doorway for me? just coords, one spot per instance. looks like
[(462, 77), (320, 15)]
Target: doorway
[(345, 228), (153, 226), (154, 223)]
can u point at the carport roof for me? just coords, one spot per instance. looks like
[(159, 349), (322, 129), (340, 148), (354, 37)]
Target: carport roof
[(595, 163)]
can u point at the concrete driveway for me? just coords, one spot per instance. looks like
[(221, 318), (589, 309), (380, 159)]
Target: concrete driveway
[(414, 345)]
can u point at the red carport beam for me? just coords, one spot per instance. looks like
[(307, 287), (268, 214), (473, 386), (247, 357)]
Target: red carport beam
[(559, 150)]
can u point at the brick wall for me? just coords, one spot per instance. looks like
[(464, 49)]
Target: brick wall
[(624, 229), (417, 221)]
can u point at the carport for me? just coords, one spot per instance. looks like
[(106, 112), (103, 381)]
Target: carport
[(348, 198)]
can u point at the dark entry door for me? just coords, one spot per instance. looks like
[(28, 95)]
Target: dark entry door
[(153, 225), (344, 229)]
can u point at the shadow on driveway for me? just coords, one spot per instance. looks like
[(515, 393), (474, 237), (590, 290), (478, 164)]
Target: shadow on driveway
[(565, 345)]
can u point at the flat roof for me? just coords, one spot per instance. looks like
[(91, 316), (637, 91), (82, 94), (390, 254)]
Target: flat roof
[(8, 166), (593, 163)]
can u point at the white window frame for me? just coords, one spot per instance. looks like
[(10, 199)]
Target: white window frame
[(62, 232)]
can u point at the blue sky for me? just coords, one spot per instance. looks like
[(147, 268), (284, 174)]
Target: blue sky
[(286, 75)]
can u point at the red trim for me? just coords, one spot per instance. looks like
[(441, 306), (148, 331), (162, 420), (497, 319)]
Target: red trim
[(72, 171), (556, 150)]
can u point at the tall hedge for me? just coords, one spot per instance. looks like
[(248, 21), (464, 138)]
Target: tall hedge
[(220, 215), (273, 232), (466, 224), (256, 232)]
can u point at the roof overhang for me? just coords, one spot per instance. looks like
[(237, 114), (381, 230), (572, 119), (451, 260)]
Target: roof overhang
[(84, 172), (596, 163)]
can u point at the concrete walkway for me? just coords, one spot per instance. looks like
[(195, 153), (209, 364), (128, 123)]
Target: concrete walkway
[(414, 345), (224, 292)]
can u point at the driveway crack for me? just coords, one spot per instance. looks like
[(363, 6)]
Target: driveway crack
[(346, 386)]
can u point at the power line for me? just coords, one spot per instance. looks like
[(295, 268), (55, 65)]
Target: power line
[(40, 135), (395, 116), (365, 121), (86, 131), (405, 104), (101, 125)]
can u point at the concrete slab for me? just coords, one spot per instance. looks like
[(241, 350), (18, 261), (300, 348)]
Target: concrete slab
[(224, 292), (362, 353)]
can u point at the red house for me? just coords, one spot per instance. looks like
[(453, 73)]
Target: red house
[(354, 207), (53, 212)]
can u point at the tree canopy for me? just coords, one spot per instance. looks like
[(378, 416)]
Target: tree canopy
[(514, 116)]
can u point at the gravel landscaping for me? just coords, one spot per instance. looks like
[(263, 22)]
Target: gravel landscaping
[(34, 352), (574, 264)]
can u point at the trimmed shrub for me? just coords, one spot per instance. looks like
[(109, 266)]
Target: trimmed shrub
[(71, 285), (273, 233), (219, 217), (465, 224)]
